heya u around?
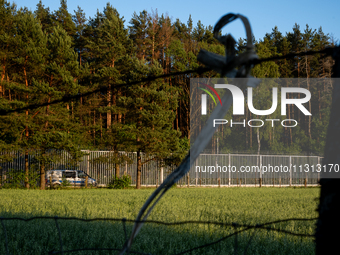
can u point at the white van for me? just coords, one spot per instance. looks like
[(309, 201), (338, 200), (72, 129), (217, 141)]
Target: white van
[(71, 177)]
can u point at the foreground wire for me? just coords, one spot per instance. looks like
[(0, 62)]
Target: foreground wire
[(239, 66), (149, 221), (228, 64), (68, 98)]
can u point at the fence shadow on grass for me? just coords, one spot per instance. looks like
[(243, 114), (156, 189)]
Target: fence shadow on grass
[(60, 235)]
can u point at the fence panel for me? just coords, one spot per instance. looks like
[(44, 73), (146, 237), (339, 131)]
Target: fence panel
[(208, 170)]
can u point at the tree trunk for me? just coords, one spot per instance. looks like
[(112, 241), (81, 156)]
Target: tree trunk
[(26, 130), (94, 130), (326, 235), (2, 78), (117, 170), (101, 127), (309, 102), (319, 102), (108, 114), (289, 117), (139, 170), (42, 176), (117, 165), (27, 186)]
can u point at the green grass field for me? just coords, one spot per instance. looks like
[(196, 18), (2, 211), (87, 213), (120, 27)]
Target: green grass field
[(240, 205)]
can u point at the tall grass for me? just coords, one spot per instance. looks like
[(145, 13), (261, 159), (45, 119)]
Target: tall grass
[(240, 205)]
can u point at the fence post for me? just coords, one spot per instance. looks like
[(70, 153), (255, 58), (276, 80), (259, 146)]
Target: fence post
[(318, 172), (86, 180), (125, 171), (260, 171), (188, 176), (229, 171), (157, 173), (280, 181), (88, 162), (290, 171), (196, 181), (161, 177)]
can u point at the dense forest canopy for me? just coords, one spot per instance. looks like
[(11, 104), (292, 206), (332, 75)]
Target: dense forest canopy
[(46, 55)]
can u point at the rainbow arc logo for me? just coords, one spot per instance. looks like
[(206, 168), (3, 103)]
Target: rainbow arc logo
[(204, 97)]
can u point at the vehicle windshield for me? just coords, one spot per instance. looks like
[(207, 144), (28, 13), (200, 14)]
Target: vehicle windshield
[(81, 174)]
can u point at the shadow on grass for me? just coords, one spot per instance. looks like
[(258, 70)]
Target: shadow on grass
[(41, 236)]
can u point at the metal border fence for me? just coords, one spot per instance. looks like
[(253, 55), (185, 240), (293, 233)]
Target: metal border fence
[(208, 170), (252, 170)]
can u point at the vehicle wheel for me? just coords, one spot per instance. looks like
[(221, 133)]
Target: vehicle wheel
[(56, 186)]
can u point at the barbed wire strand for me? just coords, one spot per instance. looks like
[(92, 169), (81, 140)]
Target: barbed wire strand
[(68, 98)]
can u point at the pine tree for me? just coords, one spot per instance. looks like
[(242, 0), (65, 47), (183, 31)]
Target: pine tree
[(150, 116), (31, 53), (138, 31), (52, 128), (165, 35), (108, 52), (7, 41), (7, 47), (199, 32), (295, 40), (153, 34), (79, 39), (44, 16), (63, 18)]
